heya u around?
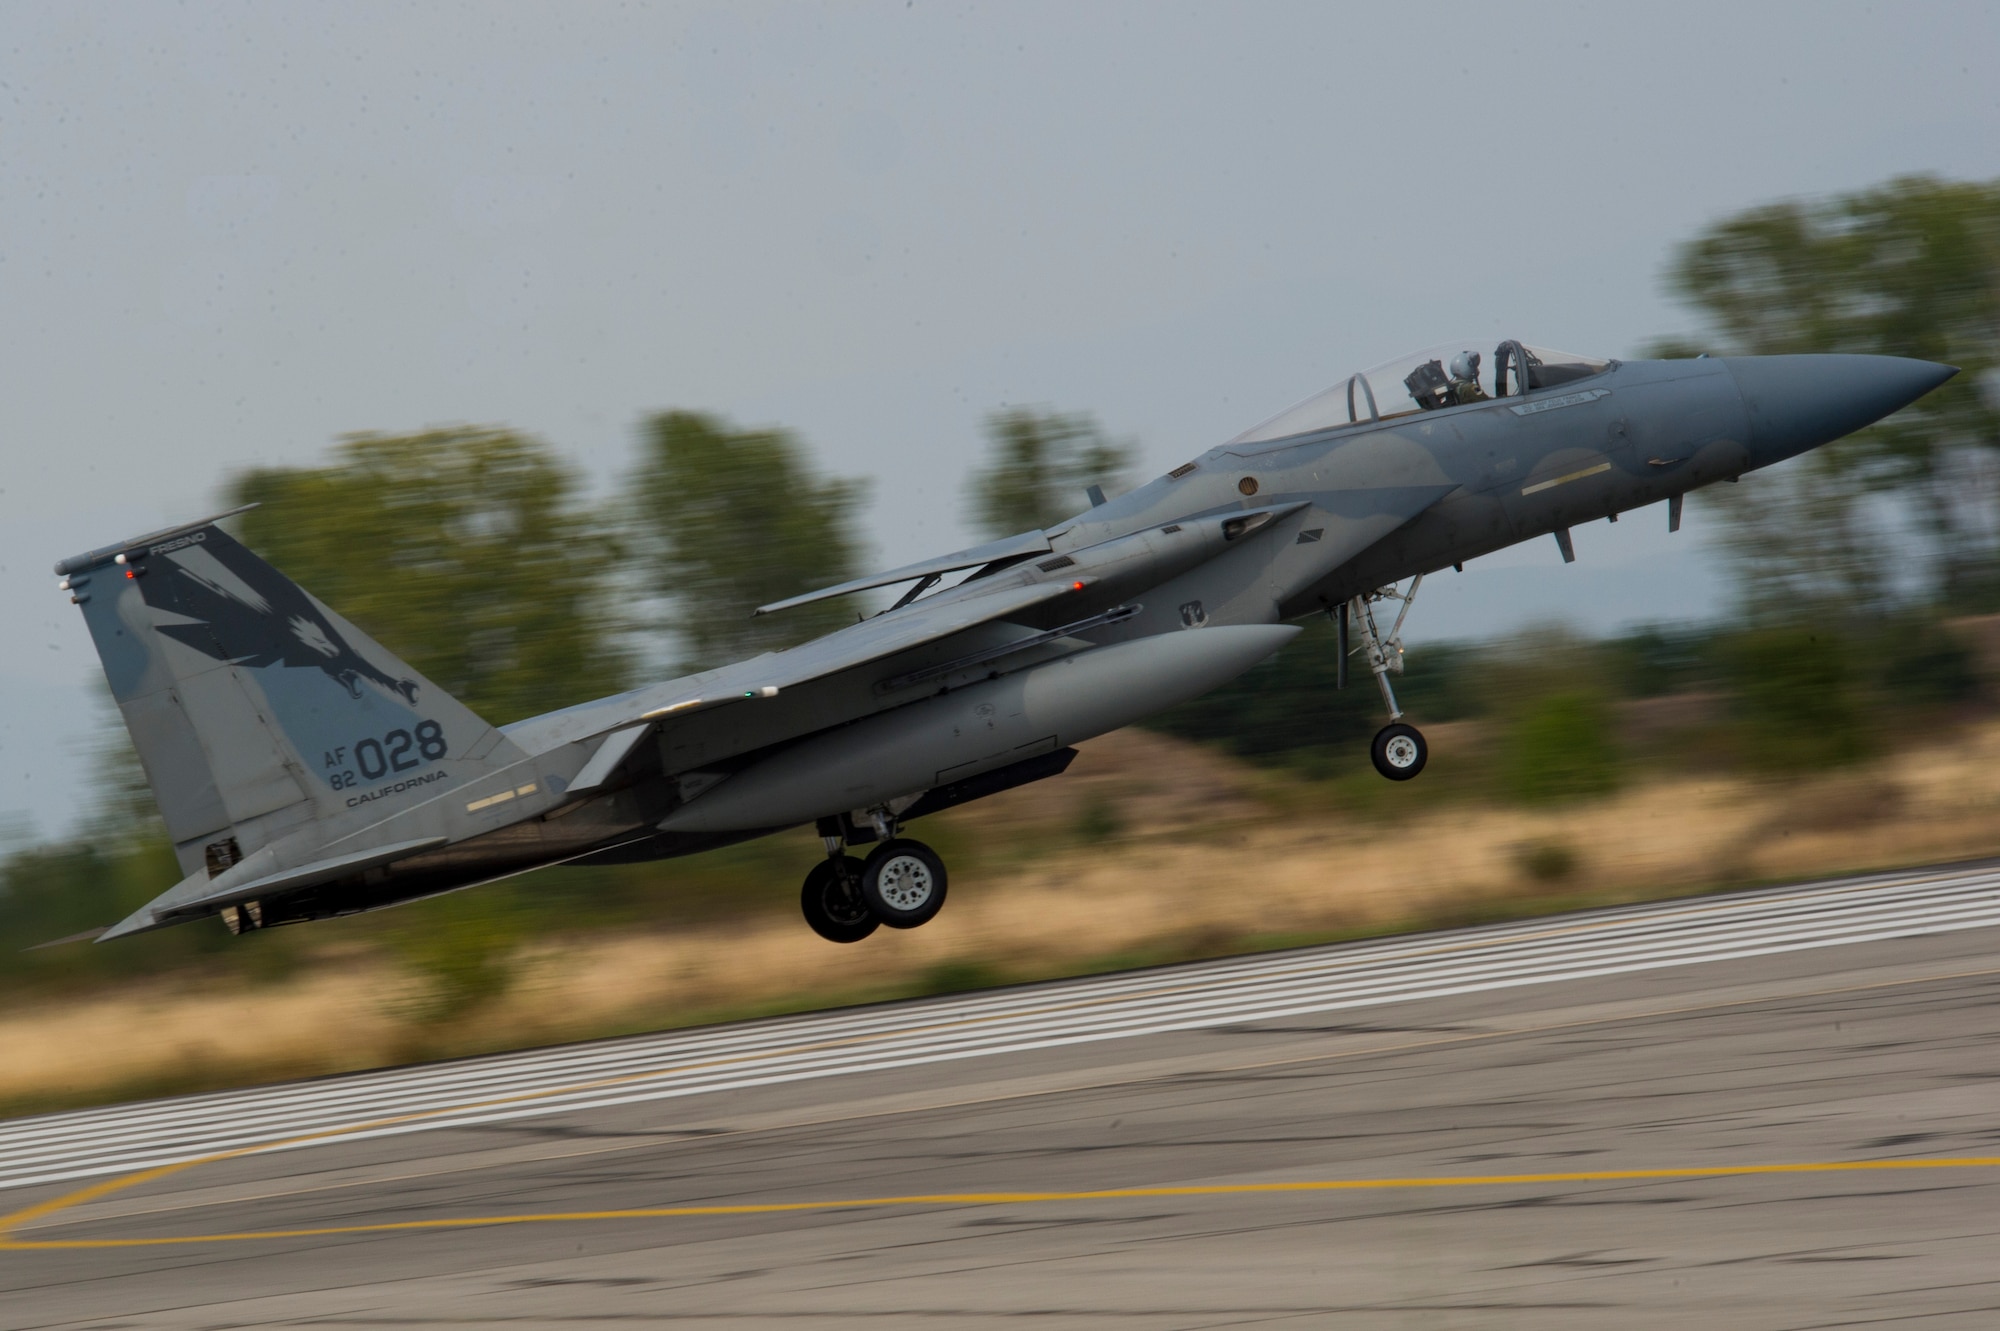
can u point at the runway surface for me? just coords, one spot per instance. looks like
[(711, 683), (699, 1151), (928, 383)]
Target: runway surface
[(1774, 1109)]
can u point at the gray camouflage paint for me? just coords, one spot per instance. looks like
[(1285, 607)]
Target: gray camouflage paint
[(239, 688)]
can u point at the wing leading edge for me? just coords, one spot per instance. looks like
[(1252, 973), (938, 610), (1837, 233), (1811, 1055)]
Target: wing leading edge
[(1013, 547)]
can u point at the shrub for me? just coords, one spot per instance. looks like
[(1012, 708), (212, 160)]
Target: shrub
[(1098, 821), (1560, 747), (1547, 862), (1797, 704), (461, 949)]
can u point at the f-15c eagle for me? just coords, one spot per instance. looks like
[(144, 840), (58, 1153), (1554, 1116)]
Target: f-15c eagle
[(304, 772)]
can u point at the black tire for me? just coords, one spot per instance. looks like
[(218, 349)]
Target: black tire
[(903, 883), (1399, 751), (833, 904)]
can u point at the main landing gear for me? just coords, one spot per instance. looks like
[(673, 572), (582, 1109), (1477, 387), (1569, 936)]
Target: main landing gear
[(832, 901), (900, 884), (1399, 751)]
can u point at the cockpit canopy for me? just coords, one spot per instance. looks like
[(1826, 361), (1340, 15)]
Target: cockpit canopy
[(1447, 375)]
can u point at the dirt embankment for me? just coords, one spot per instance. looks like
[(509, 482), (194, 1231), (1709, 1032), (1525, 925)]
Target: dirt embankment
[(1150, 848)]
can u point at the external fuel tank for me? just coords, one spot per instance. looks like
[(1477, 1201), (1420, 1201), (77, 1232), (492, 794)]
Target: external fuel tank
[(975, 729)]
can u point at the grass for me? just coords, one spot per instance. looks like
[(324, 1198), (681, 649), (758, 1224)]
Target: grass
[(433, 1042), (1114, 868)]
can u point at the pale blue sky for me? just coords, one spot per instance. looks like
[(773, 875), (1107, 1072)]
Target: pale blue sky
[(229, 233)]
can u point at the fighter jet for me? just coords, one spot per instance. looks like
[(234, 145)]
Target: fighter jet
[(305, 772)]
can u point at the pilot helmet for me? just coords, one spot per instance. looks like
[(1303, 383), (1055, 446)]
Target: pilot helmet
[(1465, 366)]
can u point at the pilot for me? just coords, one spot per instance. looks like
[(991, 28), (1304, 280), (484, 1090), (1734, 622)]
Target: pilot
[(1465, 378)]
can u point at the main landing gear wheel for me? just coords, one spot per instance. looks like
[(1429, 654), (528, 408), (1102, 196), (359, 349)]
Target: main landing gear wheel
[(903, 883), (833, 903), (1399, 751)]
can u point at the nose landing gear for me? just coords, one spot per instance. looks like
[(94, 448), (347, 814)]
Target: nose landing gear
[(901, 883), (1399, 751)]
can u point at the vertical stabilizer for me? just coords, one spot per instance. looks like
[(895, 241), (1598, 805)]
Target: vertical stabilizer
[(254, 708)]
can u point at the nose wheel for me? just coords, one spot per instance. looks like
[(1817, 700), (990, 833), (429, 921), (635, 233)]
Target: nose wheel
[(1399, 751)]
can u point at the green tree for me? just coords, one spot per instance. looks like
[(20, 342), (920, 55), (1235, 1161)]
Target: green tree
[(1040, 463), (729, 520), (461, 549), (1798, 704), (1804, 540), (1561, 747), (1909, 268)]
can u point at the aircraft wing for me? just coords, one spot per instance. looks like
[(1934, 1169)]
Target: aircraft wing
[(886, 634), (872, 639), (1027, 543)]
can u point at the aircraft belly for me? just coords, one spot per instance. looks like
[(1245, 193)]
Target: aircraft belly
[(976, 729)]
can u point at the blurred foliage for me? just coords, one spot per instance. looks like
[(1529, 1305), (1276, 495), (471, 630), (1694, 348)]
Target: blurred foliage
[(729, 520), (461, 951), (1797, 698), (1289, 708), (1039, 465), (59, 890), (1097, 821), (116, 860), (1655, 660), (463, 551), (1909, 268), (1546, 862), (1809, 538), (1560, 747), (1914, 660)]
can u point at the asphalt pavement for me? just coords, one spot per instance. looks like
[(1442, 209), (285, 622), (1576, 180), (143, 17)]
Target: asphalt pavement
[(1775, 1109)]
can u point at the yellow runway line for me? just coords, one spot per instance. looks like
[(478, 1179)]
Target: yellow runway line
[(11, 1223), (8, 1242)]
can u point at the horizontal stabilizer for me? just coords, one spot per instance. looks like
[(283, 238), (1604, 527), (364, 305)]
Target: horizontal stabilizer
[(87, 936), (1027, 543), (319, 871), (185, 901)]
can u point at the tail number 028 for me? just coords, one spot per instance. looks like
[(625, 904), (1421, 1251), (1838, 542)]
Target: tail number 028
[(399, 751)]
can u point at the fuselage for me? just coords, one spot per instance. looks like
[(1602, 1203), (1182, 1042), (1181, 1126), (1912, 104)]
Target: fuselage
[(1128, 608), (1333, 513)]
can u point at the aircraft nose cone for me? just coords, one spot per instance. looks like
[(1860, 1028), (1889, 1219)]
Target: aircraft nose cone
[(1799, 402)]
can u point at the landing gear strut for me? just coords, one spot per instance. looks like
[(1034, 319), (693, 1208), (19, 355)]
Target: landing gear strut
[(1399, 751), (900, 884)]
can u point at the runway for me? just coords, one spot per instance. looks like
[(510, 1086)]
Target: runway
[(1774, 1109)]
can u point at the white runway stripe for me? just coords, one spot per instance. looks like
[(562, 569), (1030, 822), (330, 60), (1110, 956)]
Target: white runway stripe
[(461, 1082), (1713, 918), (60, 1147)]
